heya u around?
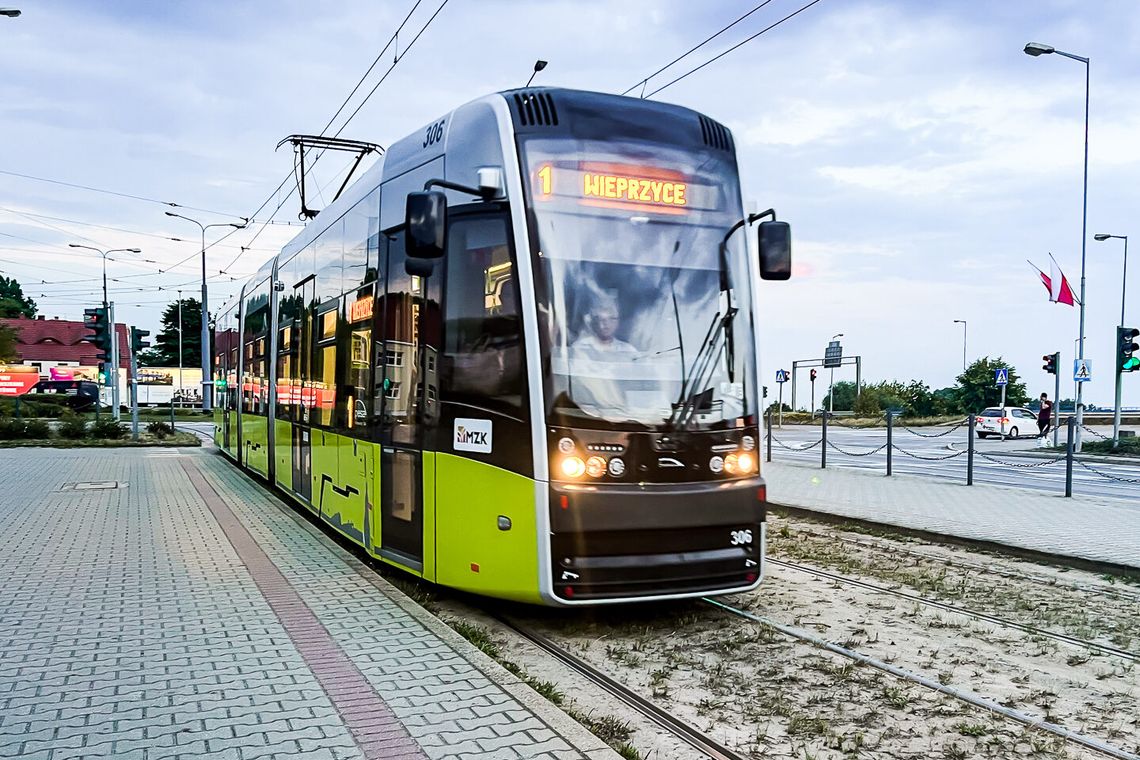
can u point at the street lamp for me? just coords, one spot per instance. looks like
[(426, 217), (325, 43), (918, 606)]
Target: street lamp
[(963, 323), (1036, 49), (1101, 237), (109, 371), (831, 383), (103, 253), (207, 358)]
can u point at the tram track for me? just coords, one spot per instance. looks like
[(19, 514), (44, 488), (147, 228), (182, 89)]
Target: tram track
[(663, 719), (958, 564), (955, 609), (968, 697)]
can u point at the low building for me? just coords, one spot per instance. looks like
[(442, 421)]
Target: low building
[(60, 349)]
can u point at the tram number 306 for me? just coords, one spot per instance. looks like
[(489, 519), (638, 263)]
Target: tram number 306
[(434, 134), (741, 537)]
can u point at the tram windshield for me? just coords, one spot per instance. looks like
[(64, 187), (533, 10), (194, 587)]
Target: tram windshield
[(644, 324)]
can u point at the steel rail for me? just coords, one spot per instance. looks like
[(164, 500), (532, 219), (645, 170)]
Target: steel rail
[(958, 564), (673, 725), (907, 675), (945, 607)]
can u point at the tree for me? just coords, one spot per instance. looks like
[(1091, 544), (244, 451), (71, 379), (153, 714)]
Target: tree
[(164, 352), (976, 389), (844, 392), (7, 344), (13, 302)]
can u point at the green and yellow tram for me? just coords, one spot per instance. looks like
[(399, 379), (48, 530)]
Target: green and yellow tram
[(518, 356)]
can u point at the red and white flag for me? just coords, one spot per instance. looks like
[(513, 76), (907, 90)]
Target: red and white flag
[(1057, 284)]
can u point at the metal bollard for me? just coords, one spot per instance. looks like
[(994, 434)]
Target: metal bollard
[(970, 451), (823, 444), (890, 446), (769, 434), (1071, 424)]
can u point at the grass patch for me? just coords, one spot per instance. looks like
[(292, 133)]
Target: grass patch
[(1127, 447)]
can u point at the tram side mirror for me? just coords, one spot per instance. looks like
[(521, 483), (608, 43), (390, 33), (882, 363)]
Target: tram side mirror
[(426, 220), (775, 250)]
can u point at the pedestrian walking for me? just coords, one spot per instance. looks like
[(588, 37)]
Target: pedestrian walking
[(1044, 420)]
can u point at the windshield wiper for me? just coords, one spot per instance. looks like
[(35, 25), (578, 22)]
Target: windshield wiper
[(691, 399)]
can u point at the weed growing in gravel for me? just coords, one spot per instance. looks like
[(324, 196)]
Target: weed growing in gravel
[(477, 636), (971, 729)]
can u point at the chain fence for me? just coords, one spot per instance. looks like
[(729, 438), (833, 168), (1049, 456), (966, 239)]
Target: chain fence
[(857, 453), (1101, 436), (934, 435), (786, 447), (1019, 465), (912, 455), (1107, 475)]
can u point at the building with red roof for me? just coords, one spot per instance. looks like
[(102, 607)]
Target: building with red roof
[(60, 343)]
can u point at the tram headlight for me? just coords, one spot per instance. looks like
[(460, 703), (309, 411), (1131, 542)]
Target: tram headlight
[(716, 464), (748, 443), (566, 445), (573, 467), (596, 466), (617, 467), (739, 463)]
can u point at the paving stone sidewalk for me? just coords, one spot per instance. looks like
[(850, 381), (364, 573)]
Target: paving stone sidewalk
[(138, 622), (1087, 527)]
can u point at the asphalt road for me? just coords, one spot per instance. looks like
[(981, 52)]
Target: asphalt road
[(943, 456)]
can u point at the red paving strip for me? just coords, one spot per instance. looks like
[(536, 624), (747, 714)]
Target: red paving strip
[(373, 725)]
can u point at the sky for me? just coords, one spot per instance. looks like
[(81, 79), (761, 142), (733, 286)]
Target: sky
[(920, 156)]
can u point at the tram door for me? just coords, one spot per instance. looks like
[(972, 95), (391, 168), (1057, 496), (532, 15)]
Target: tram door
[(302, 396), (406, 362)]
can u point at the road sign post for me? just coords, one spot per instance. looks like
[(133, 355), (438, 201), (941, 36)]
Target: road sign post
[(1001, 378), (781, 378), (1056, 398)]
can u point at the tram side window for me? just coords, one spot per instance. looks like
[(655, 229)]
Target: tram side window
[(324, 365), (482, 360), (359, 308)]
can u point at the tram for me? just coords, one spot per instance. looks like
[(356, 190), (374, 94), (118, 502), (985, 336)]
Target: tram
[(517, 357)]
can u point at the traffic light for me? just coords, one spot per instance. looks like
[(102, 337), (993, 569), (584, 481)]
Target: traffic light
[(95, 321), (1050, 364), (813, 374), (137, 342), (1125, 345)]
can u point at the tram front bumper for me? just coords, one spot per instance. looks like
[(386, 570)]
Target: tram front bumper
[(652, 541)]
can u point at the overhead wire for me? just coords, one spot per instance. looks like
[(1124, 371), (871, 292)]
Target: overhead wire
[(696, 47), (734, 47), (399, 57), (130, 196)]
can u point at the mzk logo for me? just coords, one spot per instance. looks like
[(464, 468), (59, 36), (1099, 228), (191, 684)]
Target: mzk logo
[(473, 435)]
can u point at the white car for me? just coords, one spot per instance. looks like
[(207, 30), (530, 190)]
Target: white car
[(1013, 421)]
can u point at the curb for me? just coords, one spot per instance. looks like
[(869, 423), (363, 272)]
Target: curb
[(1099, 458)]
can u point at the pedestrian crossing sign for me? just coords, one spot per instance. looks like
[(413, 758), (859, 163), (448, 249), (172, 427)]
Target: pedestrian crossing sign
[(1082, 370), (1001, 376), (781, 376)]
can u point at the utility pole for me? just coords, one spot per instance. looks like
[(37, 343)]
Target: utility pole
[(180, 387), (207, 355), (114, 373)]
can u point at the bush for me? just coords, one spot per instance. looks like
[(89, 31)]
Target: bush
[(107, 430), (15, 430), (160, 430), (34, 405), (37, 429), (11, 429), (72, 427)]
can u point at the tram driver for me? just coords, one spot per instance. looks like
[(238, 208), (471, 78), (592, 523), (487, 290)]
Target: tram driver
[(596, 356)]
